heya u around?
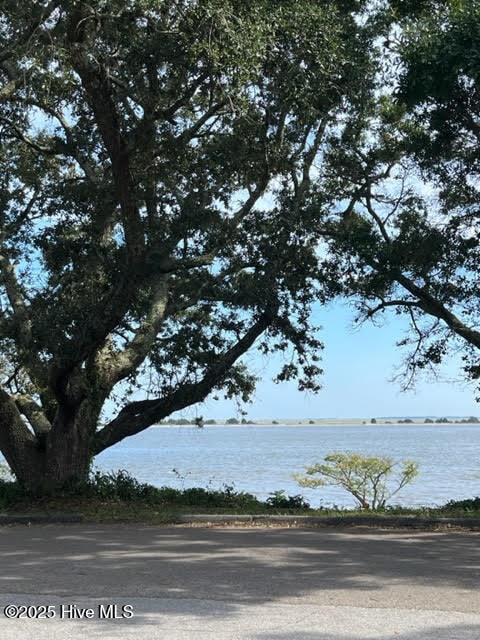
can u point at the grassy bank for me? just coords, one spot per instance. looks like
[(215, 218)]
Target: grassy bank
[(118, 497)]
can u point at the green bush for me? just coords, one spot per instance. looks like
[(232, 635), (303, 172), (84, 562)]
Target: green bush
[(468, 505), (279, 500), (10, 492), (120, 485), (364, 477)]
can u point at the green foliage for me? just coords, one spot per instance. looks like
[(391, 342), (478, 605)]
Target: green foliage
[(470, 505), (11, 493), (10, 490), (120, 485), (280, 500), (117, 496), (364, 477)]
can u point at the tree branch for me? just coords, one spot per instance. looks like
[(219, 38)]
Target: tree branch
[(17, 442), (15, 296), (68, 148), (409, 376), (97, 85), (192, 132), (22, 216), (113, 306), (26, 139), (33, 413), (374, 215), (392, 303), (137, 416), (39, 15), (16, 78), (435, 308), (169, 113), (115, 365)]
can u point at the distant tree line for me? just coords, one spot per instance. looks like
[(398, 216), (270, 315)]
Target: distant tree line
[(469, 420), (185, 421)]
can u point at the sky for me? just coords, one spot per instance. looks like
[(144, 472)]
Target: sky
[(358, 364)]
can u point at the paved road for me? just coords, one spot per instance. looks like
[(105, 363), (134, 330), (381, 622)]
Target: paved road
[(224, 584)]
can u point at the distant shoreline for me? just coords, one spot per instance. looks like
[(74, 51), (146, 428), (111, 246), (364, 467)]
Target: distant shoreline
[(347, 422)]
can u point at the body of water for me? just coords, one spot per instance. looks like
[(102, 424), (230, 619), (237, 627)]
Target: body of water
[(262, 459)]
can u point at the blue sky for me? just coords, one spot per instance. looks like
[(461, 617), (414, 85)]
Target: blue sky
[(358, 363)]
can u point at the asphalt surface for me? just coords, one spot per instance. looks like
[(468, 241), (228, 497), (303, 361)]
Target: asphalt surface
[(130, 582)]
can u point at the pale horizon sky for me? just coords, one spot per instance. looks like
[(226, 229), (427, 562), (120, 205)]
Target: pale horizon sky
[(358, 364)]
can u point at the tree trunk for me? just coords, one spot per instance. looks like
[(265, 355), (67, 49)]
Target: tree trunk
[(68, 450), (47, 463)]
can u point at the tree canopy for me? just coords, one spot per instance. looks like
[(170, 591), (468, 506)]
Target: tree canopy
[(156, 157), (404, 231)]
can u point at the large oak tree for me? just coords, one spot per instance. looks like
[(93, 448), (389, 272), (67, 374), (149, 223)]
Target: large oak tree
[(155, 156)]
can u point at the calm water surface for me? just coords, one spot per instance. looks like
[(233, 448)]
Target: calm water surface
[(262, 459)]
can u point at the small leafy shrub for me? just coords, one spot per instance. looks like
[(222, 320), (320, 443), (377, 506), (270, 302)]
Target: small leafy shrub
[(364, 477), (236, 499), (279, 500)]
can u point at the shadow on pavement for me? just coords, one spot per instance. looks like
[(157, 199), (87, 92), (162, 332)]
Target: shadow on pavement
[(447, 632), (245, 566)]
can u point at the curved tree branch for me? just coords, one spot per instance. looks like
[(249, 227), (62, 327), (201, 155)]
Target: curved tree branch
[(137, 416), (392, 303), (114, 365), (34, 414)]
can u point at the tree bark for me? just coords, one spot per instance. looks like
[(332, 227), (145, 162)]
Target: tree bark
[(68, 453), (48, 461), (17, 442)]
